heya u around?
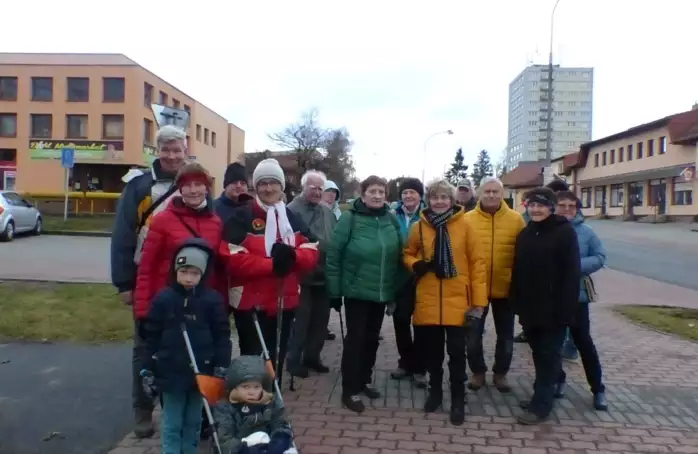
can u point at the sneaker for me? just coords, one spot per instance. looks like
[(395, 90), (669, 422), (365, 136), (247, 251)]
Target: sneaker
[(600, 402), (317, 366), (476, 382), (560, 389), (434, 400), (420, 380), (144, 427), (530, 419), (521, 339), (354, 403), (371, 392), (399, 374), (501, 383)]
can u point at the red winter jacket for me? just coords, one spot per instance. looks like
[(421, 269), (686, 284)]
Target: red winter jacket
[(251, 277), (168, 231)]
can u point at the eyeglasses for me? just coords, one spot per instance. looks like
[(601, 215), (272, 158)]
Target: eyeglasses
[(566, 206)]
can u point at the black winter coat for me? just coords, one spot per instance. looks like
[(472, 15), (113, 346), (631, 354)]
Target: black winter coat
[(546, 274)]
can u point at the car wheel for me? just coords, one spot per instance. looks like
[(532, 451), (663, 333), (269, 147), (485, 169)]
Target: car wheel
[(9, 233), (39, 227)]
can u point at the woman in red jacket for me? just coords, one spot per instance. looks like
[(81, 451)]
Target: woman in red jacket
[(265, 230)]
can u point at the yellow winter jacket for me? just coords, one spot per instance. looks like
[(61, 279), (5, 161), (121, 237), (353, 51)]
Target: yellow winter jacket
[(497, 234), (445, 302)]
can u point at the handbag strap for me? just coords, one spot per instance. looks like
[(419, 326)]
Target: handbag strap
[(194, 233)]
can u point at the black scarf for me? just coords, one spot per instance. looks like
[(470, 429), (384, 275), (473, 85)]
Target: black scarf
[(443, 253)]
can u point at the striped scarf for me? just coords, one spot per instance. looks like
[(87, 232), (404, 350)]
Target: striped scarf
[(443, 253)]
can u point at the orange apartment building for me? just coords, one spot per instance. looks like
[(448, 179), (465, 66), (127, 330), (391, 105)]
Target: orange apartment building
[(100, 105)]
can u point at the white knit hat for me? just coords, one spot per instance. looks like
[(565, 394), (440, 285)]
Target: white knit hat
[(270, 169)]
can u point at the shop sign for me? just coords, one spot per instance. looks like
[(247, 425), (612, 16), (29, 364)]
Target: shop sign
[(85, 150)]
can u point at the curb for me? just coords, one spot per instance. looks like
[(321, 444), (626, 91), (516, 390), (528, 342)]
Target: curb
[(95, 234)]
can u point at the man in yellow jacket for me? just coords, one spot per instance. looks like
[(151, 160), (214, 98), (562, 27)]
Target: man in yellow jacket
[(497, 228)]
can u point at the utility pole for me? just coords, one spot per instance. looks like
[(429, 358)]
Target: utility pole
[(549, 109)]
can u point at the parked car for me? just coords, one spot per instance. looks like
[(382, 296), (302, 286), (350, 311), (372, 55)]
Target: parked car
[(17, 216)]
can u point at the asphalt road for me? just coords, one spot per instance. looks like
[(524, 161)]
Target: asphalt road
[(81, 394)]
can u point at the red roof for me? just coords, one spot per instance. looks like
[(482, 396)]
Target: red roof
[(525, 175), (683, 128)]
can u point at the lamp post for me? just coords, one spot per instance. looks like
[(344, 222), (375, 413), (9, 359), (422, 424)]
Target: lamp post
[(424, 156), (549, 109)]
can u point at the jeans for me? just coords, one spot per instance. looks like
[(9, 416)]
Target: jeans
[(310, 327), (581, 335), (364, 320), (569, 349), (249, 339), (546, 344), (503, 313), (430, 340), (140, 400), (181, 421)]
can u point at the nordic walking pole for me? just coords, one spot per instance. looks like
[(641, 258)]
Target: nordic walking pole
[(207, 407), (341, 324)]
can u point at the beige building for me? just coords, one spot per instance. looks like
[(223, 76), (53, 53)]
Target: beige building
[(99, 105), (645, 171)]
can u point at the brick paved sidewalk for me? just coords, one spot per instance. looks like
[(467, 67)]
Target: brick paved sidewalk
[(652, 384)]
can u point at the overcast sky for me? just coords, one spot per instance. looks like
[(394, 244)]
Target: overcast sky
[(391, 72)]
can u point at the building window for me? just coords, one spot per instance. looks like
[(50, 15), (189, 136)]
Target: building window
[(147, 131), (599, 193), (621, 152), (206, 136), (8, 125), (630, 152), (596, 160), (603, 159), (198, 133), (42, 89), (639, 150), (147, 94), (616, 195), (650, 148), (213, 139), (41, 126), (163, 98), (682, 193), (662, 145), (112, 126), (8, 89), (78, 89), (586, 197), (175, 103), (8, 155), (613, 156), (187, 109), (76, 126), (114, 89), (637, 193)]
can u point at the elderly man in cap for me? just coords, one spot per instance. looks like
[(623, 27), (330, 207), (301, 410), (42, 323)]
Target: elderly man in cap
[(465, 196)]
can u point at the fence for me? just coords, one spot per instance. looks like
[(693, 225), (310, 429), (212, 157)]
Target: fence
[(85, 203)]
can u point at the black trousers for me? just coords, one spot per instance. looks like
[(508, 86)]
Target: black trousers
[(503, 313), (249, 340), (410, 361), (546, 345), (430, 340), (310, 327), (581, 335), (364, 320)]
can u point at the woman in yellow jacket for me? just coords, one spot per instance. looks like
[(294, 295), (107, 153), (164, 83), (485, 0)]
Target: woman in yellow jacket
[(442, 250)]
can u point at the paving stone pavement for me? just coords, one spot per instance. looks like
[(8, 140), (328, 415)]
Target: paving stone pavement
[(651, 378)]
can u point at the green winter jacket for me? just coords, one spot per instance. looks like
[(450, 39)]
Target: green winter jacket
[(364, 258)]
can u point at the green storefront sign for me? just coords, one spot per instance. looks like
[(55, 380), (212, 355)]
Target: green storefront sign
[(85, 150)]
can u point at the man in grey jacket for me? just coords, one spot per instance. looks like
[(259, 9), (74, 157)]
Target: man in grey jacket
[(147, 192), (310, 327)]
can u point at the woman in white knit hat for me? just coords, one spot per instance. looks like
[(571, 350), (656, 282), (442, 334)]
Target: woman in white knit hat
[(267, 230)]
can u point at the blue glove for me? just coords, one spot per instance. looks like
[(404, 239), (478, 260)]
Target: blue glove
[(256, 449), (148, 383), (280, 442)]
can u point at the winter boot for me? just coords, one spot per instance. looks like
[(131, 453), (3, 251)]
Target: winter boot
[(371, 392), (457, 406), (560, 389), (317, 366), (353, 403), (501, 383), (144, 427), (399, 374), (420, 380), (600, 402), (434, 400), (476, 382)]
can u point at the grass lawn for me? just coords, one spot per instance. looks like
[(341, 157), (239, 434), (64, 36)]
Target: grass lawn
[(673, 320), (88, 313), (101, 223)]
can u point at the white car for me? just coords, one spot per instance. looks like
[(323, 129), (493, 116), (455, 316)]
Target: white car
[(17, 216)]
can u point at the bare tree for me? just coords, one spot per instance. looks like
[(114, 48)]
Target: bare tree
[(305, 137)]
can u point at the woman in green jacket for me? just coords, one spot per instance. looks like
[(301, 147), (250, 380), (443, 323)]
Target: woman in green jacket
[(364, 266)]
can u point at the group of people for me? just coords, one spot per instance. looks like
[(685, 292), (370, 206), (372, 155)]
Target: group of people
[(435, 264)]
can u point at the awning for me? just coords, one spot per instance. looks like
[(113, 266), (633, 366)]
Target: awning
[(650, 174)]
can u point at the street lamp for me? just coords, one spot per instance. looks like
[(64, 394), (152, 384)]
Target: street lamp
[(424, 156), (549, 109)]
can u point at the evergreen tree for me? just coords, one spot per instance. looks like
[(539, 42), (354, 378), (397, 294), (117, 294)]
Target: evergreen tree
[(482, 168), (458, 170)]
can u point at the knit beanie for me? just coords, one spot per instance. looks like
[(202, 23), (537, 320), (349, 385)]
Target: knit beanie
[(193, 171), (414, 184), (247, 368), (465, 183), (234, 172), (192, 256), (558, 185), (544, 196), (269, 169)]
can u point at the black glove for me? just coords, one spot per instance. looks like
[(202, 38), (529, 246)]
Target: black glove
[(336, 304), (280, 442), (283, 258), (421, 268), (256, 449)]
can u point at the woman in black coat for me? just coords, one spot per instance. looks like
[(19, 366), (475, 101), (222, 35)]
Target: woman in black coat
[(545, 291)]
